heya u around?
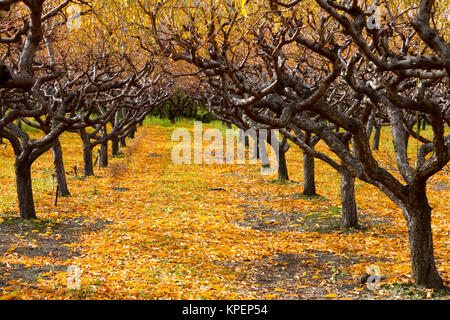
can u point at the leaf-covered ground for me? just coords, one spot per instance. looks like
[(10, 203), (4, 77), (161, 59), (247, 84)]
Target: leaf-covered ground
[(146, 228)]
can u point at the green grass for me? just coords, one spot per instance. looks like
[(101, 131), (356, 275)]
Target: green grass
[(412, 144), (156, 121), (316, 198), (410, 292), (41, 225), (183, 122), (29, 129), (320, 221)]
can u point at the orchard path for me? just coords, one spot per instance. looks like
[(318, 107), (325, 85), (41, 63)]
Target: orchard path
[(146, 228)]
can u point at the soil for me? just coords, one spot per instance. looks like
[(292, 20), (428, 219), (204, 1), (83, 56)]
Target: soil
[(40, 238)]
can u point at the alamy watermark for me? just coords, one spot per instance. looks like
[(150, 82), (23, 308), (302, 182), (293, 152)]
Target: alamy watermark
[(374, 14), (373, 282), (74, 277), (228, 149), (74, 17)]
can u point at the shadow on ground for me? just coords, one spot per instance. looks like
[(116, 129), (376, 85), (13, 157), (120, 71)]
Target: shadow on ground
[(40, 238)]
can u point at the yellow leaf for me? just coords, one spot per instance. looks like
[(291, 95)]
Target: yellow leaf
[(243, 10), (331, 295)]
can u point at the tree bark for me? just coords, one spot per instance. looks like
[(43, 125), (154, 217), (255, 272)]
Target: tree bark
[(123, 143), (406, 139), (115, 138), (133, 132), (418, 217), (60, 171), (104, 149), (87, 154), (283, 174), (25, 190), (115, 146), (104, 155), (376, 138), (309, 187), (349, 211)]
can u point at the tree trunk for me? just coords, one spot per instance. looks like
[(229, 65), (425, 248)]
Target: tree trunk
[(283, 174), (87, 154), (1, 116), (309, 187), (406, 140), (60, 171), (349, 211), (103, 161), (418, 217), (115, 138), (104, 155), (115, 146), (25, 190), (376, 138), (123, 143), (256, 147), (133, 132), (263, 156)]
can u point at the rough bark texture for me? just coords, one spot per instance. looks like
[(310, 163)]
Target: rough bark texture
[(283, 174), (115, 139), (418, 217), (349, 211), (133, 132), (103, 160), (25, 190), (309, 187), (87, 155), (60, 171), (406, 139), (376, 138), (114, 146), (104, 155)]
